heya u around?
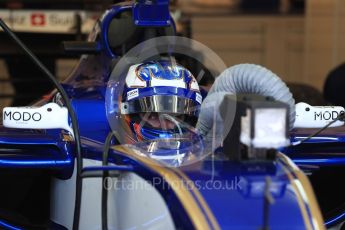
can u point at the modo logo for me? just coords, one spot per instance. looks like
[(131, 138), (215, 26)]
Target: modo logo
[(326, 115), (22, 116)]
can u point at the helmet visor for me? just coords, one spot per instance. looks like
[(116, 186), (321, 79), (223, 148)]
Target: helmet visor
[(161, 104)]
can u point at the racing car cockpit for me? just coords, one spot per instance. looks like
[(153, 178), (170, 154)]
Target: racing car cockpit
[(166, 133)]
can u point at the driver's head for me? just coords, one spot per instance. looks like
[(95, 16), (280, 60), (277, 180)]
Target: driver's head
[(160, 99)]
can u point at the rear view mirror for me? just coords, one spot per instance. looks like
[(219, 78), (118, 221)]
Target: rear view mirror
[(49, 116)]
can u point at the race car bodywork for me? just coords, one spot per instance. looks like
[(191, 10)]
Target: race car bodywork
[(322, 157), (212, 193)]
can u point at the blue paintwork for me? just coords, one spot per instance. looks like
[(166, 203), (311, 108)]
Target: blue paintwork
[(319, 139), (38, 150), (321, 162), (242, 206), (148, 14), (7, 226), (325, 150), (105, 22), (319, 154), (232, 208), (92, 119), (337, 219), (117, 9), (236, 197)]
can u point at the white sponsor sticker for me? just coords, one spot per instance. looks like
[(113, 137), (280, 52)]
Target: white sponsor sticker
[(48, 21), (132, 94), (198, 97), (308, 116), (37, 117)]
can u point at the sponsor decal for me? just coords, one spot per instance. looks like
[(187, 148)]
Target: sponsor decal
[(326, 115), (132, 94), (22, 116), (12, 19), (18, 20), (38, 19), (56, 19), (48, 21)]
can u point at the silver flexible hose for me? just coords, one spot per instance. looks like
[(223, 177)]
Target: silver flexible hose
[(243, 78)]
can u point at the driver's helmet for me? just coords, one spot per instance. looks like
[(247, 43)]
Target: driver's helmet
[(161, 99)]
